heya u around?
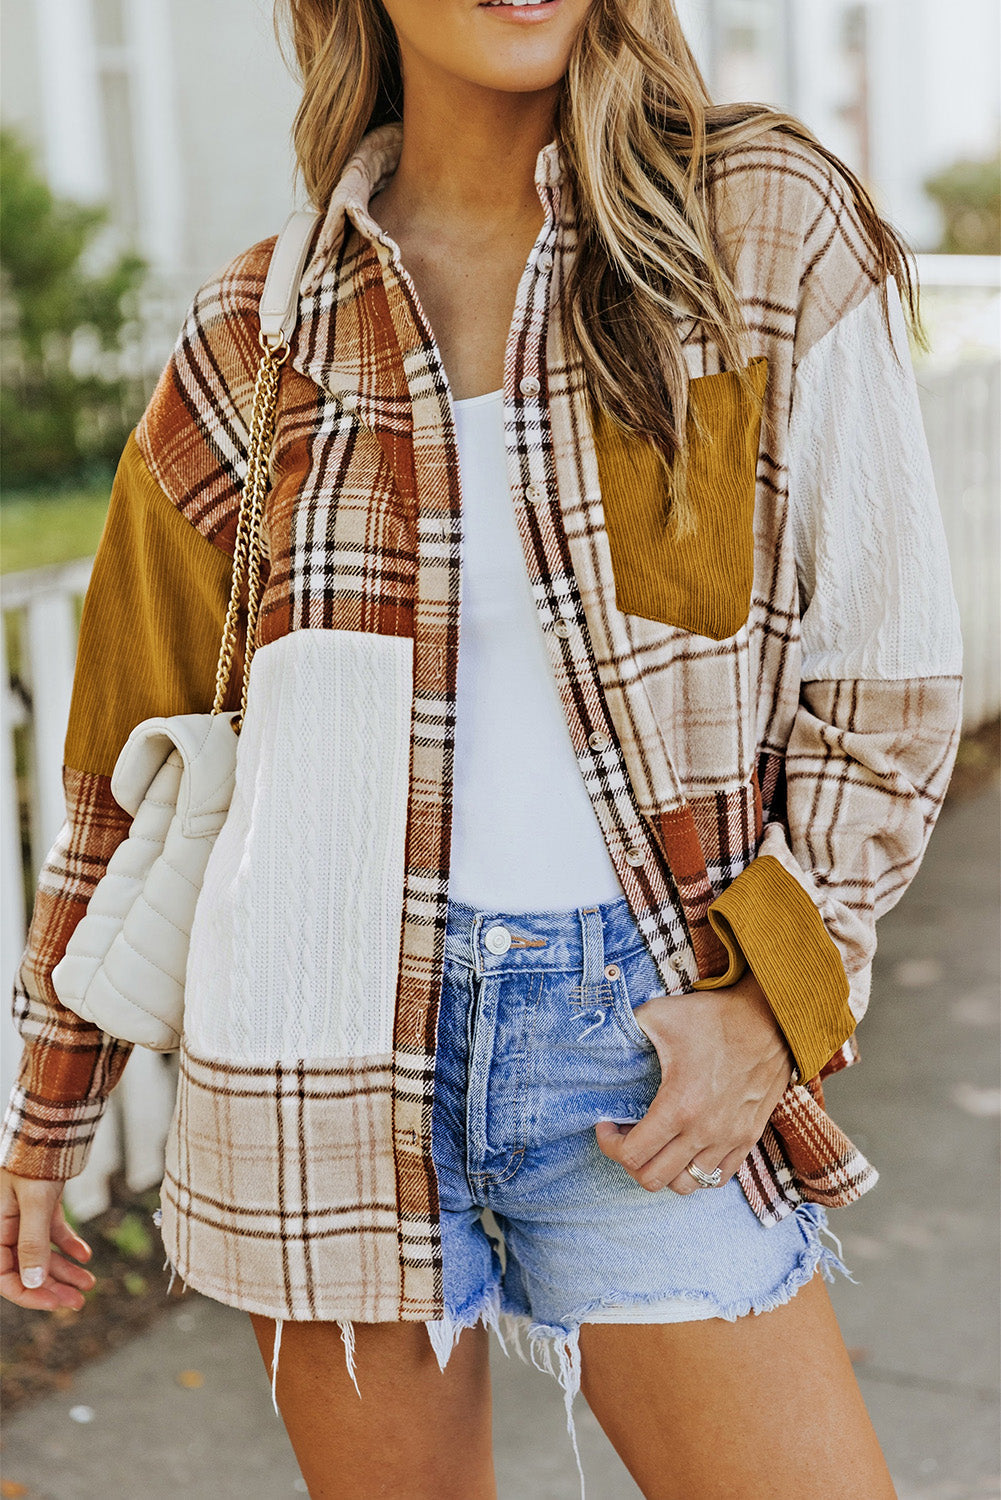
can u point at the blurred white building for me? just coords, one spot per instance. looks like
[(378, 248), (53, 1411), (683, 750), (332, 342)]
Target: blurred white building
[(175, 112), (899, 88), (178, 112)]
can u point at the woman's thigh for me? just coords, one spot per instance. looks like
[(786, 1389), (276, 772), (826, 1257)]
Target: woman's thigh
[(767, 1406), (415, 1430)]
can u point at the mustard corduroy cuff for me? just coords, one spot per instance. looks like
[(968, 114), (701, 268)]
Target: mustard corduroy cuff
[(767, 922)]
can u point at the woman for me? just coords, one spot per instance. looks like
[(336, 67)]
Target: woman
[(568, 921)]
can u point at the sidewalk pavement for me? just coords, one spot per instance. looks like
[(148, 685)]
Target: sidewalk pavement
[(922, 1320)]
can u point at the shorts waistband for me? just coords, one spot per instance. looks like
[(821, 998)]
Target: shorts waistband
[(581, 938)]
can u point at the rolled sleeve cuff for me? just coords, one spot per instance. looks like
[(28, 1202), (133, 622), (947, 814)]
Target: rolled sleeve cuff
[(45, 1136), (767, 922)]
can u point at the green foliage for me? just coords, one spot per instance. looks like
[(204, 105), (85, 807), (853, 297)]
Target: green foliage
[(968, 193), (40, 530), (65, 407), (130, 1237)]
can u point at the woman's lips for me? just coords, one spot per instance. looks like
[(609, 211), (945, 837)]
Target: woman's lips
[(527, 10)]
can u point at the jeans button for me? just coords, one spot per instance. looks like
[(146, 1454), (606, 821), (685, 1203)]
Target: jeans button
[(497, 940)]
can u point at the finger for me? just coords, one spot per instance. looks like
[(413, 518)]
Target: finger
[(614, 1141), (64, 1286), (10, 1213), (707, 1161), (638, 1144), (33, 1251), (665, 1165), (733, 1159), (69, 1273), (48, 1298), (54, 1294), (609, 1135), (60, 1269), (67, 1239)]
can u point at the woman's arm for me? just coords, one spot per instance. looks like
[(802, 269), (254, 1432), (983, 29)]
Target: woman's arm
[(875, 735), (148, 645), (867, 765)]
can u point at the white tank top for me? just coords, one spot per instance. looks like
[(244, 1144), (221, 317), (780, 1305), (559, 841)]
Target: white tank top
[(524, 834)]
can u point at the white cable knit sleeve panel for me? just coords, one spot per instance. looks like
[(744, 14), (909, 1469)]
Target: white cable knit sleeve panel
[(876, 591)]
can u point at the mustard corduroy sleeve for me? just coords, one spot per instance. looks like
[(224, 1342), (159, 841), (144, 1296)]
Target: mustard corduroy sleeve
[(152, 620)]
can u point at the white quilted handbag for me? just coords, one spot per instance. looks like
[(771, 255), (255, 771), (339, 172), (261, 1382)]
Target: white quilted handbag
[(125, 963)]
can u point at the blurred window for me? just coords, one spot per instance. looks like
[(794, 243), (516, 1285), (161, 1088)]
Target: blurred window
[(115, 61)]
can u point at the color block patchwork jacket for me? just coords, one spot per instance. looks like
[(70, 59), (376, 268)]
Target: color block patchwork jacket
[(764, 715)]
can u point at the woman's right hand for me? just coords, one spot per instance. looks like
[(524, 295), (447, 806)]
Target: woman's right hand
[(32, 1273)]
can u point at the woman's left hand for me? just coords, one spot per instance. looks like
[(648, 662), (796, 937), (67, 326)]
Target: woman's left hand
[(725, 1064)]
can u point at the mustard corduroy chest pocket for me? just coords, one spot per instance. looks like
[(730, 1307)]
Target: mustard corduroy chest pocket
[(700, 582)]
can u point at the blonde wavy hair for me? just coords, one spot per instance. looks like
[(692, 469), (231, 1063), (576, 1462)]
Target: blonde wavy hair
[(637, 128)]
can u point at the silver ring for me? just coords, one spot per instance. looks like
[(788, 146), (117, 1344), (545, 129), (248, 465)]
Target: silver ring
[(705, 1179)]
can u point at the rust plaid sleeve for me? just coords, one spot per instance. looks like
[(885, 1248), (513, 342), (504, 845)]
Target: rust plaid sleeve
[(148, 645)]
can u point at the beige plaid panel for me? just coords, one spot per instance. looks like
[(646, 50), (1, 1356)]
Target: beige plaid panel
[(279, 1194), (794, 243), (867, 767)]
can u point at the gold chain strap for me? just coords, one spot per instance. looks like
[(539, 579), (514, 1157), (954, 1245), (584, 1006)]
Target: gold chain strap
[(247, 549)]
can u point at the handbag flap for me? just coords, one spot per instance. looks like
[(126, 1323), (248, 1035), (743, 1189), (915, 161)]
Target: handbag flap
[(207, 746)]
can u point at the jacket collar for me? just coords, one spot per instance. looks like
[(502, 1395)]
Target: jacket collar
[(349, 311)]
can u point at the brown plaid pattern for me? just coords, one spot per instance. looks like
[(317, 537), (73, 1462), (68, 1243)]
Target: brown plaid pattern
[(309, 1191), (69, 1067)]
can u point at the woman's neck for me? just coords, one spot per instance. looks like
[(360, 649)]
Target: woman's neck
[(464, 210), (468, 156)]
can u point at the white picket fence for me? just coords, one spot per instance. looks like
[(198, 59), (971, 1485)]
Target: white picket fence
[(962, 411)]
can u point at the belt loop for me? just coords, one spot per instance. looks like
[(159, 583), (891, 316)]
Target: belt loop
[(475, 955), (593, 944)]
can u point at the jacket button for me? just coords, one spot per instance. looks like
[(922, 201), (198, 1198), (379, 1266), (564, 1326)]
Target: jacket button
[(349, 401), (529, 386), (497, 940), (545, 261), (534, 494), (678, 963), (562, 629), (598, 741), (634, 856)]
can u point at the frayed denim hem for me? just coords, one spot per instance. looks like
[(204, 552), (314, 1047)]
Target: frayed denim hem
[(444, 1332)]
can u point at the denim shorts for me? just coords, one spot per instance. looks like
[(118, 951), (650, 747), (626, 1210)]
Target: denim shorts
[(537, 1042)]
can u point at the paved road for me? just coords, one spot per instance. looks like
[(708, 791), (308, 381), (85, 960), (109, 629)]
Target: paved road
[(923, 1316)]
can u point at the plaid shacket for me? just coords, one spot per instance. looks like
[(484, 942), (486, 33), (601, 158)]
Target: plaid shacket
[(302, 1185)]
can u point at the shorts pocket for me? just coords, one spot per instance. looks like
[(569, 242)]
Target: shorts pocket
[(700, 582), (634, 981)]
